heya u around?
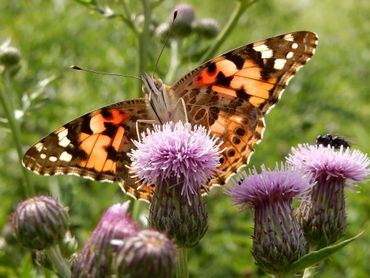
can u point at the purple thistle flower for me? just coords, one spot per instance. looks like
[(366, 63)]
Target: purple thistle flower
[(269, 186), (179, 160), (176, 150), (96, 257), (343, 164), (277, 239), (322, 214), (147, 254)]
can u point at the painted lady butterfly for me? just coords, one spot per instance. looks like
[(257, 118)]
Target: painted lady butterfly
[(230, 95)]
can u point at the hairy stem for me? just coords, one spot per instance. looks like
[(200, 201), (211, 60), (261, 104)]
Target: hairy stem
[(241, 7), (174, 62), (5, 98), (59, 263), (182, 263), (144, 42)]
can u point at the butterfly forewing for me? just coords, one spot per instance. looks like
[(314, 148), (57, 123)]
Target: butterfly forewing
[(232, 93), (93, 146)]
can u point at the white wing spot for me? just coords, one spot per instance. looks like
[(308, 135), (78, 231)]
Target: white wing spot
[(279, 64), (39, 147), (265, 51), (289, 37), (53, 158), (289, 55), (43, 156), (295, 45), (63, 133), (64, 142), (65, 157)]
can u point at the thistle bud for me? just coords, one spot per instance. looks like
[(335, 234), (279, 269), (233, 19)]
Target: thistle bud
[(8, 234), (40, 222), (207, 27), (148, 254), (162, 30), (182, 26), (96, 257), (9, 56)]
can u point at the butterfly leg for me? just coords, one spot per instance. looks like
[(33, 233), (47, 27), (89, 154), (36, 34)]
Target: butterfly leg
[(141, 121)]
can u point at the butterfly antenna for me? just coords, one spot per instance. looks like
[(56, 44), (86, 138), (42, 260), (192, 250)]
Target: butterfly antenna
[(103, 72), (165, 41)]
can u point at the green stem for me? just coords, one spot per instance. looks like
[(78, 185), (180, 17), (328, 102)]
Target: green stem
[(59, 263), (182, 263), (174, 62), (127, 17), (144, 42), (6, 102), (241, 7), (136, 209)]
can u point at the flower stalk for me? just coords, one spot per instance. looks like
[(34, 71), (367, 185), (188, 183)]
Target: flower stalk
[(60, 265), (144, 42), (241, 7), (6, 103), (174, 61), (182, 263)]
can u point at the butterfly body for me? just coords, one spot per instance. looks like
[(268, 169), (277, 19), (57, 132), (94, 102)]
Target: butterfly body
[(230, 95)]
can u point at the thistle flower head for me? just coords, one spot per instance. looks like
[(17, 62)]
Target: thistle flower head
[(176, 151), (277, 238), (269, 186), (147, 254), (96, 257), (322, 213), (321, 161), (40, 222)]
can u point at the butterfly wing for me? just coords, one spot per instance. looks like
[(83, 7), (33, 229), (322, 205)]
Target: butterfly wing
[(93, 146), (232, 93)]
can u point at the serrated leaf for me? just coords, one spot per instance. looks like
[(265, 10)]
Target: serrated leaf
[(315, 257)]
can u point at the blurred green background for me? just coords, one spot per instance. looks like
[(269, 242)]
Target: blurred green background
[(329, 95)]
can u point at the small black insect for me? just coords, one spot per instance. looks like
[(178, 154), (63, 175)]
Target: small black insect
[(332, 140)]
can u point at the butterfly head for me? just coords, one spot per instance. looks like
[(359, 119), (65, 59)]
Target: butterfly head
[(155, 92)]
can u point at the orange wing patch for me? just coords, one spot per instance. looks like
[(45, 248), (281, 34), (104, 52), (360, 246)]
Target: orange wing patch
[(106, 141), (92, 146), (224, 77)]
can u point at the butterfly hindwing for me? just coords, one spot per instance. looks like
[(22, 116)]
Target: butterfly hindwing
[(232, 93)]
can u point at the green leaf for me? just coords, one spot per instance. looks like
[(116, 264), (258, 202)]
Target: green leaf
[(26, 268), (315, 257)]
